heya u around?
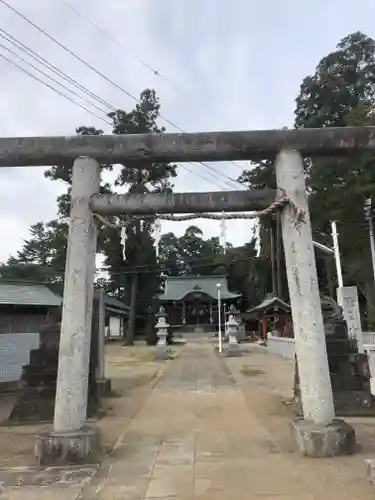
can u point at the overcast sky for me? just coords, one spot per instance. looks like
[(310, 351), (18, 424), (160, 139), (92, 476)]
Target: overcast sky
[(233, 64)]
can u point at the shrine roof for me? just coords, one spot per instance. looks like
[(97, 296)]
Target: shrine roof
[(270, 303), (178, 287), (21, 293), (113, 304)]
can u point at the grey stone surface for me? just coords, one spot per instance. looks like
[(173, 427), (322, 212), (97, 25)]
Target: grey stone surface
[(76, 322), (103, 387), (55, 448), (318, 440), (71, 476), (161, 352), (234, 350), (194, 369), (370, 470)]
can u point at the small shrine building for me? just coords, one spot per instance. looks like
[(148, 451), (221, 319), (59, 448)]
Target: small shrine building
[(193, 300), (273, 315)]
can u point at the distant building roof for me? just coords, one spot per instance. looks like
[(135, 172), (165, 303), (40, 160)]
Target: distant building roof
[(178, 287), (270, 303), (115, 305), (22, 293)]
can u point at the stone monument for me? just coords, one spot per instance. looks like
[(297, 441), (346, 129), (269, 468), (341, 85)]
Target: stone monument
[(36, 397), (349, 371)]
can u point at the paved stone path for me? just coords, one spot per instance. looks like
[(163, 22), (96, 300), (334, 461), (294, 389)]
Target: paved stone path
[(197, 438), (72, 476), (57, 483)]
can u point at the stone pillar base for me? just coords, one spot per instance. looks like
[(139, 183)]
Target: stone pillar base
[(103, 387), (319, 441), (234, 350), (75, 447), (161, 352)]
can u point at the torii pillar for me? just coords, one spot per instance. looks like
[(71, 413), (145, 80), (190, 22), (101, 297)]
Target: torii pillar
[(318, 433), (71, 439)]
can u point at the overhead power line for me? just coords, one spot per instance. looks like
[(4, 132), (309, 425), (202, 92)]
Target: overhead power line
[(102, 75), (125, 49), (52, 88), (37, 57), (67, 78), (56, 81), (156, 268), (121, 46), (51, 67), (79, 104)]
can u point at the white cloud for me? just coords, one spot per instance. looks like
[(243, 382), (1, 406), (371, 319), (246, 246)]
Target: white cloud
[(240, 65)]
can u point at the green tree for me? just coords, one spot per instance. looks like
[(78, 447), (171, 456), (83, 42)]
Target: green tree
[(140, 177), (271, 264), (341, 92), (192, 254), (42, 257), (245, 272), (189, 253)]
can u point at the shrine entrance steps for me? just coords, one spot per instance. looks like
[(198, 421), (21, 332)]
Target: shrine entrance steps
[(201, 435)]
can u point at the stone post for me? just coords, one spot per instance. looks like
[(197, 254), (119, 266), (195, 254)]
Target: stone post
[(183, 313), (232, 328), (162, 332), (318, 434), (347, 297), (103, 384), (371, 364), (101, 335), (70, 439)]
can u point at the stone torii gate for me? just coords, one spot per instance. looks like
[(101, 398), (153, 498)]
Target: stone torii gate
[(70, 438)]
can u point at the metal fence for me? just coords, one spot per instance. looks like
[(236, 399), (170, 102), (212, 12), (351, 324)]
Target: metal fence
[(15, 353)]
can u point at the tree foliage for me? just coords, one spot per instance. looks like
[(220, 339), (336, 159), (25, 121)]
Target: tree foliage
[(47, 245), (341, 92), (189, 253), (139, 177), (42, 257)]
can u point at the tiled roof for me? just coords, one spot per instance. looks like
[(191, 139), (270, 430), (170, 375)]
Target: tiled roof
[(113, 303), (176, 288), (270, 302), (27, 294)]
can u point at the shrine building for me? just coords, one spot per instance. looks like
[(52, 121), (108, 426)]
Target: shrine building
[(274, 315), (193, 300)]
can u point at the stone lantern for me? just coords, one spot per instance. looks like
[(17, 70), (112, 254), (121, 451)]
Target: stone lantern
[(162, 332), (232, 328)]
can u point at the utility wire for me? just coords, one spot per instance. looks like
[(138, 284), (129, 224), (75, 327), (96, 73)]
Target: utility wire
[(119, 44), (54, 80), (56, 70), (60, 73), (150, 267), (163, 269), (125, 49), (52, 88), (41, 60), (207, 179), (102, 75)]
